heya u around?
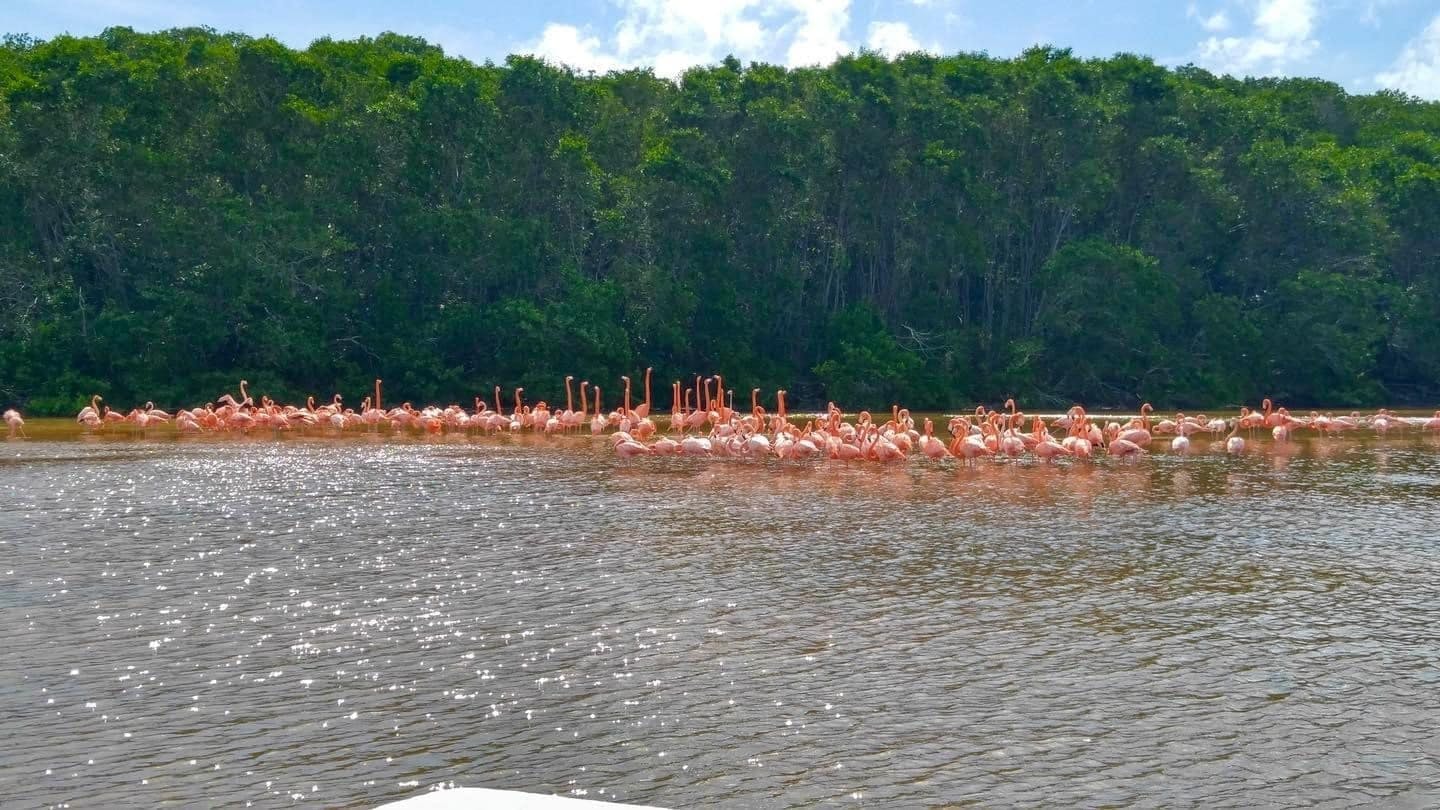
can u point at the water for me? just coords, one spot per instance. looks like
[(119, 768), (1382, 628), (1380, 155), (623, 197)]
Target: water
[(339, 623)]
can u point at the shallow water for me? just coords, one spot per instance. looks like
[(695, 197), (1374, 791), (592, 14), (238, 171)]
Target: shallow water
[(342, 622)]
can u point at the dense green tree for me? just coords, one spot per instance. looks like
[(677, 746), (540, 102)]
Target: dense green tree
[(183, 208)]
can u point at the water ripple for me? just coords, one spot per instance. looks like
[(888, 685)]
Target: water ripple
[(343, 623)]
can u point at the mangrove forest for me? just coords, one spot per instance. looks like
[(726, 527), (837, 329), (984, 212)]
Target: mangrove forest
[(185, 208)]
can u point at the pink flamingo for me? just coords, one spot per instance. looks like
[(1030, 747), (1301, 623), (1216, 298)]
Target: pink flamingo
[(677, 408), (1139, 434), (1235, 445), (930, 446), (697, 417), (1281, 422), (696, 446), (567, 416), (519, 415), (539, 417), (583, 416), (726, 412), (846, 451), (14, 422), (1384, 421), (1046, 448), (1011, 445), (370, 412), (1078, 442), (597, 424), (1271, 418), (1123, 448), (498, 420), (90, 415), (1250, 420), (1433, 423), (643, 409), (627, 447), (803, 447)]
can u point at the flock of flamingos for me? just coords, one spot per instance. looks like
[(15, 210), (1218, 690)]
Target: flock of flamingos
[(705, 422)]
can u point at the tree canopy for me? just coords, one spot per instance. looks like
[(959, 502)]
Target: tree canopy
[(183, 208)]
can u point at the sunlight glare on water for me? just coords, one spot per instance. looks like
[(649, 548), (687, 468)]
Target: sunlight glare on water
[(345, 622)]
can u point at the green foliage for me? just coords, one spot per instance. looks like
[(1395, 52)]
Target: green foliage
[(181, 209), (1107, 321), (866, 364)]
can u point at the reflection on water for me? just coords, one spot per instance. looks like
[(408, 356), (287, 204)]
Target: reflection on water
[(339, 623)]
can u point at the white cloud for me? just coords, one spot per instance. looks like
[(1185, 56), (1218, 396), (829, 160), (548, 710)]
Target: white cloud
[(703, 25), (672, 35), (564, 44), (1286, 20), (892, 38), (1215, 23), (818, 32), (1370, 15), (1417, 71), (1281, 38)]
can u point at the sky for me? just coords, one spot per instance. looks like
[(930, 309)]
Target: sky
[(1364, 45)]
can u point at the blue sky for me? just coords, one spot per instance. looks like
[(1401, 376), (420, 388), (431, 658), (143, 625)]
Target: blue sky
[(1364, 45)]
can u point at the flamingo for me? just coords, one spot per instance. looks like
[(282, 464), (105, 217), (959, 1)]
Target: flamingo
[(1046, 448), (597, 424), (971, 447), (185, 422), (696, 418), (1139, 434), (1011, 445), (696, 446), (583, 415), (881, 448), (1271, 418), (930, 446), (677, 408), (1433, 423), (727, 402), (1122, 448), (90, 415), (1384, 421), (1250, 419), (846, 451), (517, 416), (1078, 442), (758, 443), (14, 422), (539, 416), (805, 447), (567, 416), (627, 414), (1235, 445), (627, 447), (643, 409)]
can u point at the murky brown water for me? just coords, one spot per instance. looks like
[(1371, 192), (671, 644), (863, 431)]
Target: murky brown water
[(343, 622)]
